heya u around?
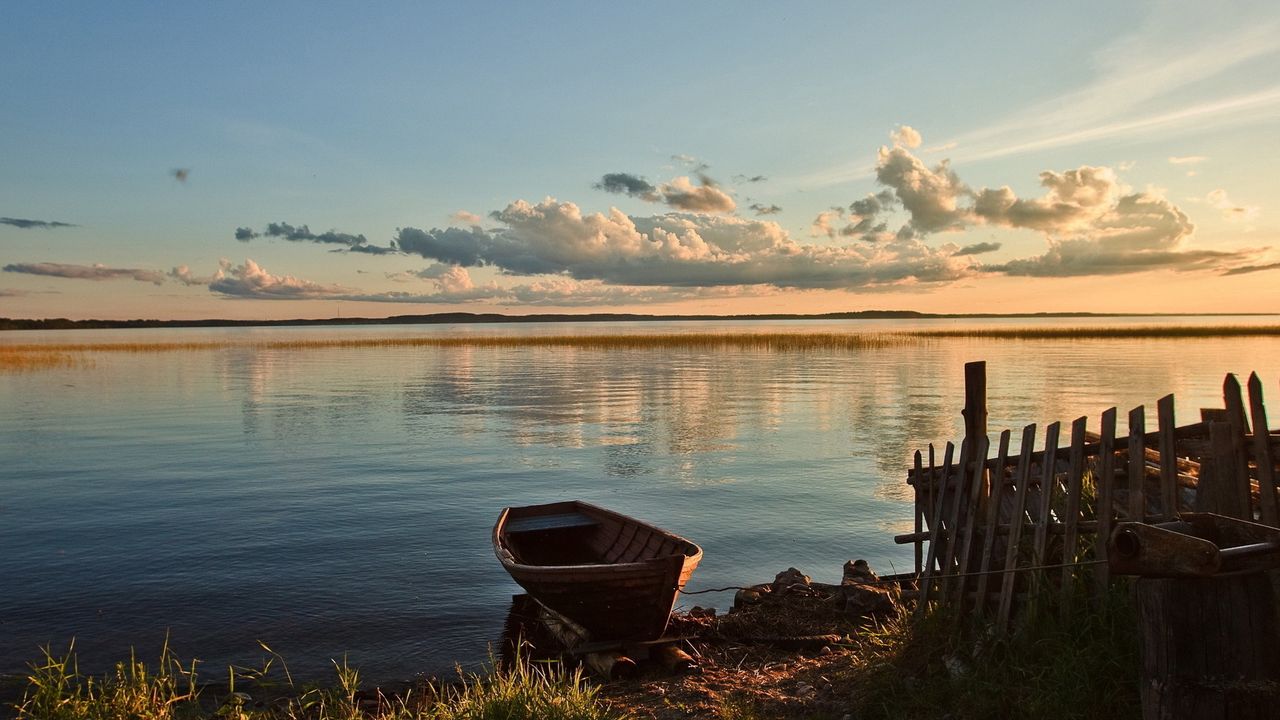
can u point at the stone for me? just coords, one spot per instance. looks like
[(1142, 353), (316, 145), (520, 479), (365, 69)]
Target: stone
[(861, 596), (790, 578)]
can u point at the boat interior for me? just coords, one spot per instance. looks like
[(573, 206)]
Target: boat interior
[(573, 536)]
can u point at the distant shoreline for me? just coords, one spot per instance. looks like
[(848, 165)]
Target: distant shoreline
[(482, 318)]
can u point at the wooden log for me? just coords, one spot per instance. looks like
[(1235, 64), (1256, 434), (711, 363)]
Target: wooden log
[(610, 664), (1075, 485), (1105, 484), (1268, 506), (1137, 465), (975, 400), (1021, 480), (1168, 459), (672, 659), (993, 519)]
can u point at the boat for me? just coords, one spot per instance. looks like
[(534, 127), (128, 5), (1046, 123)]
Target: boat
[(614, 575)]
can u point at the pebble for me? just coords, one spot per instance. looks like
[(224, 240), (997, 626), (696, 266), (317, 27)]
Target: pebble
[(824, 650)]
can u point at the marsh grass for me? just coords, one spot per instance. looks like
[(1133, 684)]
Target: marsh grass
[(33, 360), (55, 690), (40, 355)]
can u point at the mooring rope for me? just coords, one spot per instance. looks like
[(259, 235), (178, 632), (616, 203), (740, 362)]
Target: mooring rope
[(976, 573)]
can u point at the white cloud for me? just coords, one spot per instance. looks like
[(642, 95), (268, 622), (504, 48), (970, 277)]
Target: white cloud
[(251, 280), (96, 272), (1186, 160), (906, 136), (468, 218), (1230, 210)]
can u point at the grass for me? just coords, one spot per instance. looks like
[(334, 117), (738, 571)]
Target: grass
[(1085, 666), (34, 356), (171, 690)]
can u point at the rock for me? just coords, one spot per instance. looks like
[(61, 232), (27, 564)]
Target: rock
[(790, 578), (701, 612), (804, 691), (861, 596), (824, 650), (747, 597), (858, 571)]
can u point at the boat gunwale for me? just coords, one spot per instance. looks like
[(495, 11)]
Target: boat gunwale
[(507, 558)]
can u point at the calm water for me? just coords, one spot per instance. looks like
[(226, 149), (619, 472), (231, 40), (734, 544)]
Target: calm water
[(332, 502)]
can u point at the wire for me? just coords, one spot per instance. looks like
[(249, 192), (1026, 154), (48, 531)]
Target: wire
[(899, 581)]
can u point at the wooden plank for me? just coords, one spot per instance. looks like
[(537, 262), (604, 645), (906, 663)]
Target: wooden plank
[(1168, 460), (993, 518), (975, 400), (1048, 481), (1221, 493), (1263, 455), (1022, 479), (919, 508), (1137, 464), (946, 567), (1240, 485), (971, 511), (1105, 485), (1075, 485), (935, 527)]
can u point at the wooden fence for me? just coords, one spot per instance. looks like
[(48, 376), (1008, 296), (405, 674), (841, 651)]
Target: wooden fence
[(995, 528)]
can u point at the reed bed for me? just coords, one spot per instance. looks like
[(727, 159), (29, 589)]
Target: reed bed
[(36, 356)]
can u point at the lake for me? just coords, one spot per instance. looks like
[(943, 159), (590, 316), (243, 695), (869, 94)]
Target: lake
[(337, 502)]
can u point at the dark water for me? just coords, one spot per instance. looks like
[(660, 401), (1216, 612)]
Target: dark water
[(339, 502)]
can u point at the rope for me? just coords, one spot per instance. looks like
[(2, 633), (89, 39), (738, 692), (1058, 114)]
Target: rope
[(1058, 566)]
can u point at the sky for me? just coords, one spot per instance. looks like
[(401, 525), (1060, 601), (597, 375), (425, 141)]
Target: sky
[(290, 160)]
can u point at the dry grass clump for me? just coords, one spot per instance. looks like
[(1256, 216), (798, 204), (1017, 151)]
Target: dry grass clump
[(57, 691), (1105, 332)]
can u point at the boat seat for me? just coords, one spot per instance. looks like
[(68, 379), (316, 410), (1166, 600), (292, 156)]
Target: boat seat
[(560, 521)]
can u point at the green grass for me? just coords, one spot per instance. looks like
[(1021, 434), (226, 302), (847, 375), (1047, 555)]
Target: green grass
[(171, 690), (1083, 666)]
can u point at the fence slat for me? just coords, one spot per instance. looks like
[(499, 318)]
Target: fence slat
[(1105, 485), (971, 512), (1231, 395), (1137, 464), (994, 499), (935, 525), (1021, 480), (1262, 455), (919, 508), (1075, 484), (1048, 481), (1168, 460)]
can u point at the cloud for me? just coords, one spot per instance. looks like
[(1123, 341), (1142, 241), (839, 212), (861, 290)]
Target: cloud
[(180, 174), (978, 248), (1245, 269), (34, 224), (1231, 211), (251, 280), (930, 195), (302, 233), (749, 179), (676, 250), (182, 274), (680, 193), (765, 209), (87, 272), (906, 136), (470, 218), (628, 184), (1187, 160), (7, 292), (826, 223)]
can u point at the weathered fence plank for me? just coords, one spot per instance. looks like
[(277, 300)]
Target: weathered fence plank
[(1105, 483), (1021, 480), (1266, 461), (1168, 460), (1137, 464), (935, 525), (971, 512), (989, 528), (1075, 484)]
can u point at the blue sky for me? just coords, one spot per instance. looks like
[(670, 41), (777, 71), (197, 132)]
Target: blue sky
[(1157, 122)]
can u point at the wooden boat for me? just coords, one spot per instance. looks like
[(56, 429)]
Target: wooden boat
[(612, 574)]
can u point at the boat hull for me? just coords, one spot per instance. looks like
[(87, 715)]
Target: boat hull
[(615, 576)]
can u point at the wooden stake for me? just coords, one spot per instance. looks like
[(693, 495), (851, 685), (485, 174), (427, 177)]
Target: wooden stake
[(1263, 456)]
